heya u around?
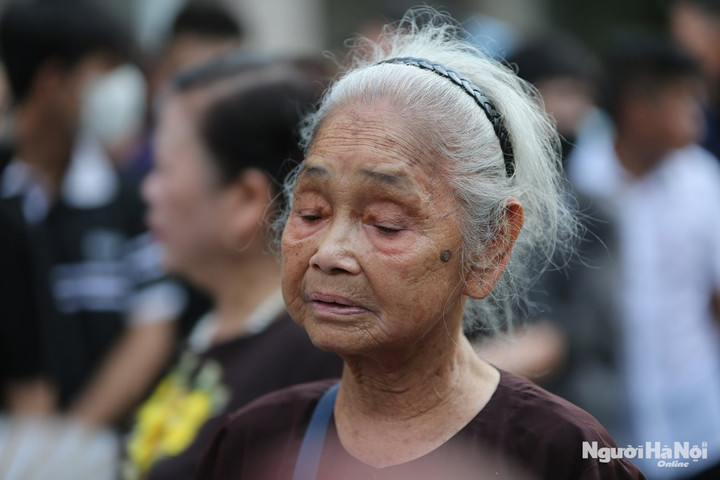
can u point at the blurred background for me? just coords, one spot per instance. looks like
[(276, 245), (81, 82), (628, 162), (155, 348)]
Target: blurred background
[(629, 331), (308, 25)]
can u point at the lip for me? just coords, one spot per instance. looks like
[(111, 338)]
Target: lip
[(335, 304)]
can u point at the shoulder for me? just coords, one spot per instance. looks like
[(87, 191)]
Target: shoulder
[(531, 403), (290, 341), (285, 339), (690, 181), (282, 409), (286, 327), (694, 167), (546, 433), (262, 439)]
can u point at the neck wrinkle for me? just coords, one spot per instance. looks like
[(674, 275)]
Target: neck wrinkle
[(421, 384)]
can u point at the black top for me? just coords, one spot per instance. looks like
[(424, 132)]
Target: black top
[(173, 422), (82, 267), (20, 348), (522, 427)]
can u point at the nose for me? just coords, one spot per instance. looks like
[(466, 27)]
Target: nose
[(336, 253)]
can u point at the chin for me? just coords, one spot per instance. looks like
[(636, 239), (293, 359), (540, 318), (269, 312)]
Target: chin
[(337, 338)]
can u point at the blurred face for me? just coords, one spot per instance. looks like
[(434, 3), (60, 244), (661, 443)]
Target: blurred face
[(65, 89), (568, 101), (673, 116), (187, 209), (362, 246), (699, 32)]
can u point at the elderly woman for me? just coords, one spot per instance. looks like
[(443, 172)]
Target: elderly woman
[(430, 182), (226, 129)]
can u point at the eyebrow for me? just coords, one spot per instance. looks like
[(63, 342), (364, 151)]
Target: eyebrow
[(391, 179), (314, 172)]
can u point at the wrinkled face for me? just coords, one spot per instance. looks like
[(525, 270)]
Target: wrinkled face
[(362, 246), (186, 207)]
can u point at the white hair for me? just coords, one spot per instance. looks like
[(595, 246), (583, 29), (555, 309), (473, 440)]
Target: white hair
[(457, 129)]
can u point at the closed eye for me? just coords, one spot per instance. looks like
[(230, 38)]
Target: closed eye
[(387, 230)]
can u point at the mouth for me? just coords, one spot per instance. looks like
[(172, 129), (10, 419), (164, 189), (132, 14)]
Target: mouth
[(335, 304)]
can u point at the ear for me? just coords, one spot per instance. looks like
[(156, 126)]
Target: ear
[(250, 196), (482, 277)]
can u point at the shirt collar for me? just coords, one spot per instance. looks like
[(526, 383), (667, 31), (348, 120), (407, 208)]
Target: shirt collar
[(90, 181)]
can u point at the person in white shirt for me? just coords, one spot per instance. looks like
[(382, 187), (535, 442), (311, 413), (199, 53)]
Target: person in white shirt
[(665, 194)]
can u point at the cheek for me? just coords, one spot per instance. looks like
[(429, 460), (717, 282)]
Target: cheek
[(416, 284), (183, 206), (295, 261), (185, 214)]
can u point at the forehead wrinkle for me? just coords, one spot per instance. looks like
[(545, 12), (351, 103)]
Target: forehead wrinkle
[(378, 128), (381, 133)]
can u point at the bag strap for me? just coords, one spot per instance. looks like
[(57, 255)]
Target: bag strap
[(308, 461)]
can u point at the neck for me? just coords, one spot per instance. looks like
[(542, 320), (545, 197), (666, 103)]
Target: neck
[(410, 404), (638, 158), (238, 288), (44, 145)]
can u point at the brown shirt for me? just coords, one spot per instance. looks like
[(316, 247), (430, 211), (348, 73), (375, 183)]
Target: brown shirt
[(522, 427)]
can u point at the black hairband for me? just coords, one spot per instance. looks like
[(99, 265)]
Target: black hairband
[(471, 89)]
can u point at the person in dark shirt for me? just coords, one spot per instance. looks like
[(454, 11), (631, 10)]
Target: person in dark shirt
[(21, 367), (430, 185), (103, 307), (226, 135)]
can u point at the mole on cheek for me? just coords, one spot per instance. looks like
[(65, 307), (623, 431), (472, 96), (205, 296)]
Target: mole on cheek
[(445, 256)]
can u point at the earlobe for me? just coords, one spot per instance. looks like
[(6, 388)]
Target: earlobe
[(482, 277)]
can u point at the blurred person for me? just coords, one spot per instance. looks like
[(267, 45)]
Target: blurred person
[(696, 25), (492, 34), (226, 135), (5, 117), (424, 195), (566, 74), (571, 345), (114, 110), (201, 30), (101, 302), (374, 23), (22, 388), (664, 191)]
